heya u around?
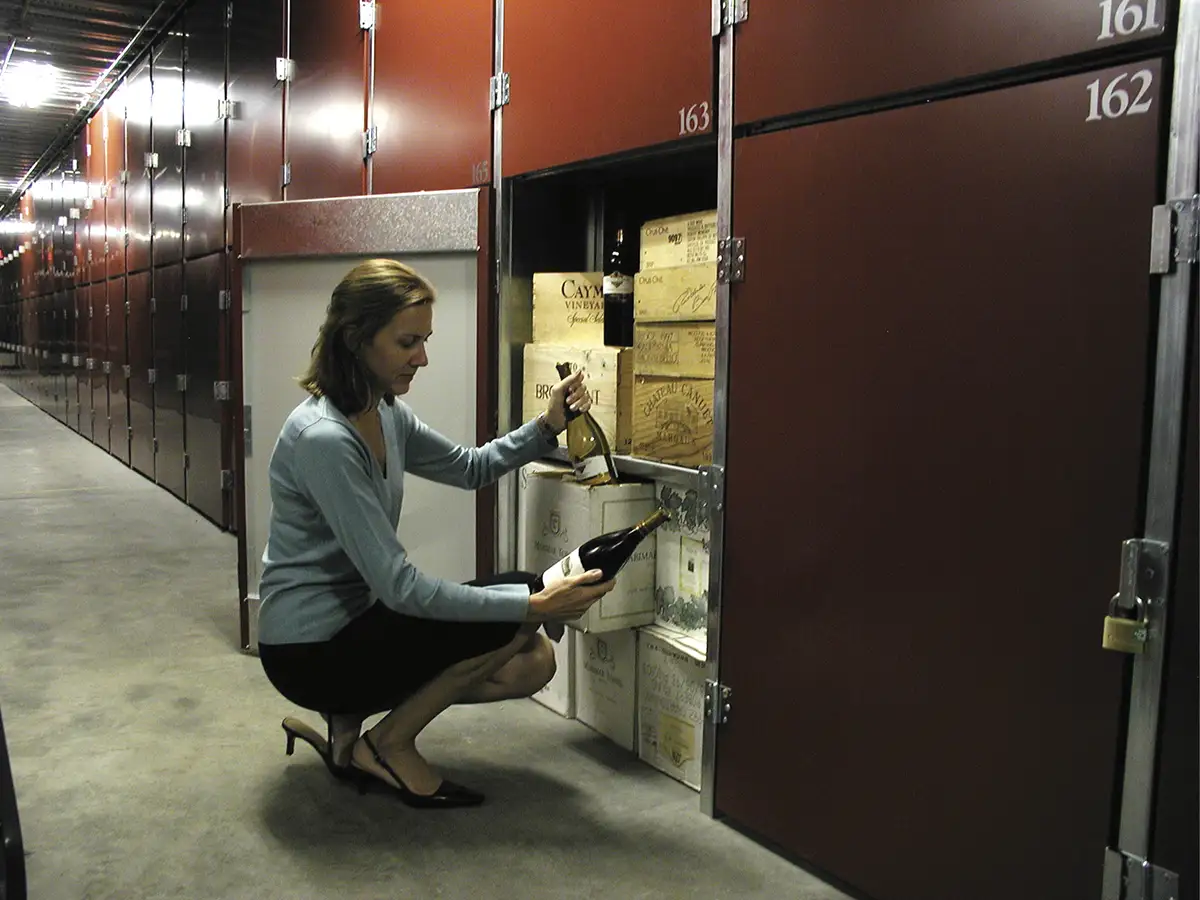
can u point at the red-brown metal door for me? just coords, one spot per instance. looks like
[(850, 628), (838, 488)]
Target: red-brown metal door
[(793, 57), (204, 157), (114, 169), (83, 377), (94, 205), (255, 133), (937, 389), (118, 383), (590, 79), (207, 350), (141, 360), (433, 62), (98, 354), (327, 100), (167, 116), (169, 364), (136, 95)]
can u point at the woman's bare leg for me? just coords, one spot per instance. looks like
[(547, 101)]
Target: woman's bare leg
[(396, 734), (522, 676)]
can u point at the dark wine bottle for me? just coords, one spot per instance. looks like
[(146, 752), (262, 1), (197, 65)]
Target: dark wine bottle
[(618, 296), (587, 447), (607, 552)]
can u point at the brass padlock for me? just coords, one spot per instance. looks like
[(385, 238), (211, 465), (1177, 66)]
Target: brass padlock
[(1126, 635)]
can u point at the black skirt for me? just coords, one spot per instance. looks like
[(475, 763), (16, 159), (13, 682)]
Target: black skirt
[(382, 657)]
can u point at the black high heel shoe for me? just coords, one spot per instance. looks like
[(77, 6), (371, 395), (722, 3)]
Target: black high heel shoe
[(294, 728), (448, 795)]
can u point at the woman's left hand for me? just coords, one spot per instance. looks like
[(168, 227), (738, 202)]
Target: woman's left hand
[(568, 392)]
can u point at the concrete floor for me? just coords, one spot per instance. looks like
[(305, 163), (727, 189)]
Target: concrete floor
[(149, 761)]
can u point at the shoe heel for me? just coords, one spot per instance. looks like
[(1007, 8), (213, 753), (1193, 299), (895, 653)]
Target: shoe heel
[(291, 741)]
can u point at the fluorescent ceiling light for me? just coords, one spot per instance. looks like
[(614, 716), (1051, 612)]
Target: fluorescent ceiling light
[(29, 83)]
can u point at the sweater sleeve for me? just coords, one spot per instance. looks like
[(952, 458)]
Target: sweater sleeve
[(435, 457), (333, 469)]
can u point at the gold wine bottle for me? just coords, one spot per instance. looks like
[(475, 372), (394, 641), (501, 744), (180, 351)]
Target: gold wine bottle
[(587, 447)]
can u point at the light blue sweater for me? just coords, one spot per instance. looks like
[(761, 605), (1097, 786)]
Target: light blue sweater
[(332, 548)]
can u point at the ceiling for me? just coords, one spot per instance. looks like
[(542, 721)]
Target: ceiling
[(91, 44)]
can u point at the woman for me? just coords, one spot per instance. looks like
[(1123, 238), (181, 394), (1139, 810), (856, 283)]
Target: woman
[(349, 627)]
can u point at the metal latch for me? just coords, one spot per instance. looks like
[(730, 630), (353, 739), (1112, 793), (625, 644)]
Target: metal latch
[(73, 212), (370, 141), (91, 363), (366, 14), (712, 488), (151, 376), (247, 434), (285, 175), (227, 479), (284, 68), (181, 383), (731, 260), (127, 370), (1143, 575), (716, 702), (221, 390), (1175, 235), (150, 160), (108, 367), (1129, 877), (728, 12), (183, 137), (226, 109), (183, 302), (500, 90), (223, 300)]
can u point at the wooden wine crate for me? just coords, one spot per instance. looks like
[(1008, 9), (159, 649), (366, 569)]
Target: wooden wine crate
[(673, 420), (676, 294), (679, 240), (679, 351), (568, 308), (609, 380)]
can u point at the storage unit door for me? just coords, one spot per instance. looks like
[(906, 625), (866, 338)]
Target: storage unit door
[(98, 354), (589, 79), (926, 533), (204, 157), (168, 366), (433, 62), (141, 360), (118, 384), (256, 129), (207, 350), (78, 332), (95, 206), (137, 96), (83, 377), (167, 219), (327, 100), (793, 57), (115, 171)]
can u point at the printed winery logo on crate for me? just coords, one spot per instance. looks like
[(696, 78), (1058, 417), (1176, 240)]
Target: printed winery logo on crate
[(602, 663)]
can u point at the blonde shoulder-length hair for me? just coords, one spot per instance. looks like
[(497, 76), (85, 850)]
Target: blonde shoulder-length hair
[(362, 304)]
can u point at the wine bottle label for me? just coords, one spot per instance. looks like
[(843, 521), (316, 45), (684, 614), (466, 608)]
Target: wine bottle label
[(618, 284), (591, 467), (563, 569)]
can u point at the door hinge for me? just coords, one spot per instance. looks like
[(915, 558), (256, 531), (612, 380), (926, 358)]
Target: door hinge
[(712, 489), (500, 90), (152, 376), (227, 479), (107, 367), (183, 137), (284, 68), (247, 433), (225, 194), (370, 141), (221, 390), (150, 160), (366, 14), (726, 13), (183, 215), (181, 383), (1129, 877), (716, 702), (225, 109), (229, 12), (183, 302), (73, 213), (91, 363), (731, 260), (77, 361), (285, 175), (154, 443), (224, 299), (187, 462), (127, 371), (1175, 235), (123, 176), (153, 304)]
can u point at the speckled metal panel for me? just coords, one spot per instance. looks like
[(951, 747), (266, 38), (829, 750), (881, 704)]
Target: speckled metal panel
[(434, 222)]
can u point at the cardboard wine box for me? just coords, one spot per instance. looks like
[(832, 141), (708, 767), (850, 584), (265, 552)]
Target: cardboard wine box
[(687, 350), (568, 308), (670, 705), (556, 514), (673, 420), (606, 684), (683, 240), (682, 563), (609, 380), (676, 294)]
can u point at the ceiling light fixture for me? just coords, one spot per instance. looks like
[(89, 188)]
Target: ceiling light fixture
[(29, 83)]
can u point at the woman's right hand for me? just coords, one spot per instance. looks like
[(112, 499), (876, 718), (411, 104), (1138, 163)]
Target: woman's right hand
[(569, 598)]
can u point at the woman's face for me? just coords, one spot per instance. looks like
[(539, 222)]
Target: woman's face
[(398, 350)]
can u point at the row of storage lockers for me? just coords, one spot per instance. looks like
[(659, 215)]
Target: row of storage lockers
[(138, 364)]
